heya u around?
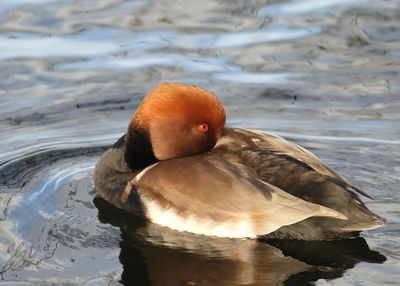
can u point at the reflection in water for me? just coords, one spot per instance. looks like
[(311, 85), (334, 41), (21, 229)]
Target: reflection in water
[(156, 255), (331, 258)]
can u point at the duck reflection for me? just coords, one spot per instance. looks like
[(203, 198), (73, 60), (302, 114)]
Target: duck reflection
[(155, 255)]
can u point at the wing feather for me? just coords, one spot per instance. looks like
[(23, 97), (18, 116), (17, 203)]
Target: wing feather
[(223, 199), (276, 144)]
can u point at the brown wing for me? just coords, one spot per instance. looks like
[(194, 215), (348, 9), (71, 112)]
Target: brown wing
[(206, 194), (276, 144)]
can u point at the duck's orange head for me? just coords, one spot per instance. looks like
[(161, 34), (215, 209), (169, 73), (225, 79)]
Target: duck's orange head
[(181, 119)]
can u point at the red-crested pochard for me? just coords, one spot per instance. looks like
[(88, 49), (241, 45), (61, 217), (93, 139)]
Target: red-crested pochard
[(180, 167)]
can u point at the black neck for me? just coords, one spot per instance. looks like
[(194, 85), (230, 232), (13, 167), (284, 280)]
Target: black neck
[(138, 152)]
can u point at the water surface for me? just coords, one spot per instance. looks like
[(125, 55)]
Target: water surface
[(324, 74)]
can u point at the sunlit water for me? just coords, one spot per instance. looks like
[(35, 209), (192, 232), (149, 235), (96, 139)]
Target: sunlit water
[(324, 74)]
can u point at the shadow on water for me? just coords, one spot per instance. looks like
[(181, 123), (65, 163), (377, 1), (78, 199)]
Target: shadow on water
[(156, 255)]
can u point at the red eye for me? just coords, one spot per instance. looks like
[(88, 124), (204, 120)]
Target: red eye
[(203, 127)]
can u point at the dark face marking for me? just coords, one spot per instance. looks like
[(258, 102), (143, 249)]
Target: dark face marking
[(138, 152)]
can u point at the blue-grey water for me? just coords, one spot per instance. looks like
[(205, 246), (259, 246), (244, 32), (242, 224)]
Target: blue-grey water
[(324, 74)]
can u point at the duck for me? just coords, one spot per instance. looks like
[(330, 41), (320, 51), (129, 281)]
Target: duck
[(179, 166)]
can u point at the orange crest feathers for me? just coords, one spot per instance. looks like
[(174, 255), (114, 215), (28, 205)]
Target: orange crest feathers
[(180, 101)]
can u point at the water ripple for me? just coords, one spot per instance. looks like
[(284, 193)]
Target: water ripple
[(305, 6)]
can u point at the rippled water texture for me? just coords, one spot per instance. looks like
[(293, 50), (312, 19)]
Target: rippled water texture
[(324, 74)]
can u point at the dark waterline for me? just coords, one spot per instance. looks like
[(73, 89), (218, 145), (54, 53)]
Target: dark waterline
[(324, 74)]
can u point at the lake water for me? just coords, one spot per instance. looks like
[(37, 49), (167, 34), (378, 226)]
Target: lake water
[(324, 74)]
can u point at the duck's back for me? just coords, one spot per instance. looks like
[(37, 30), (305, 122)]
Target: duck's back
[(297, 171)]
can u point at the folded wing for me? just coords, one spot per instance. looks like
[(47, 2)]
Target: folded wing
[(278, 145), (206, 194)]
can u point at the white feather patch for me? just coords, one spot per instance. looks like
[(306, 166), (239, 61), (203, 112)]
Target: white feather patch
[(170, 218), (128, 188), (144, 171)]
